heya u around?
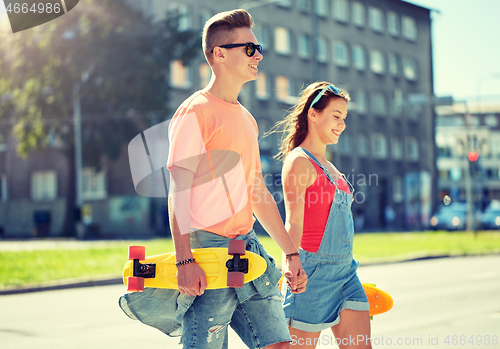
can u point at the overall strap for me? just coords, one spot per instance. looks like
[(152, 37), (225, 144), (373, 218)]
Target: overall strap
[(325, 170)]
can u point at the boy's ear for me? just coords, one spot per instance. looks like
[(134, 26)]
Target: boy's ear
[(219, 54)]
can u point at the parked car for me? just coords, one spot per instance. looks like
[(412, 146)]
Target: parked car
[(450, 217), (491, 216)]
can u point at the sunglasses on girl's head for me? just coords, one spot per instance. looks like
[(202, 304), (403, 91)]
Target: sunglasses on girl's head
[(250, 48), (334, 89)]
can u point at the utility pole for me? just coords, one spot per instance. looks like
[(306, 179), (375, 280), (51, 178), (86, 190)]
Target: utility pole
[(77, 122)]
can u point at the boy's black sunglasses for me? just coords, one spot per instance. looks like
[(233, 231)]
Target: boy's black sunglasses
[(251, 48)]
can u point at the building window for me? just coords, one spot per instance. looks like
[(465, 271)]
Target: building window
[(362, 145), (321, 50), (261, 32), (183, 12), (93, 184), (283, 3), (398, 102), (304, 5), (396, 148), (377, 61), (205, 74), (304, 46), (495, 145), (393, 24), (321, 7), (3, 187), (397, 189), (341, 10), (282, 43), (358, 57), (345, 143), (360, 101), (262, 86), (409, 27), (379, 145), (410, 70), (264, 125), (340, 55), (3, 142), (44, 185), (379, 104), (393, 60), (358, 14), (412, 153), (376, 19), (283, 89), (179, 75)]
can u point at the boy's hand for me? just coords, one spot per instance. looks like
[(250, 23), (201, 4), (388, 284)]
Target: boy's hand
[(191, 279)]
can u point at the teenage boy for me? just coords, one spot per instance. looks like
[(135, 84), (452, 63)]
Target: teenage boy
[(216, 187)]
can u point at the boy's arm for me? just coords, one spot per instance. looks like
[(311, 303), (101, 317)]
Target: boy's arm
[(267, 213), (191, 278)]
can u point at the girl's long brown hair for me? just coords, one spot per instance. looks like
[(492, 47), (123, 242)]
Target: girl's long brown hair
[(294, 126)]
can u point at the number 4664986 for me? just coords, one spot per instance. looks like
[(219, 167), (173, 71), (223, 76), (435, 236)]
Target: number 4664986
[(35, 8)]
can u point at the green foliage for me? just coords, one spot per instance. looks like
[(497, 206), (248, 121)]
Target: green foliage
[(117, 58)]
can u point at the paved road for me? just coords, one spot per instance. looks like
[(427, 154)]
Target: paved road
[(435, 300)]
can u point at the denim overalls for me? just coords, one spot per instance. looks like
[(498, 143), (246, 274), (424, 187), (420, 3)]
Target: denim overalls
[(333, 284)]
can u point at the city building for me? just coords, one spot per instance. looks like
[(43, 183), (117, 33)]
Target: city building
[(462, 131), (378, 50)]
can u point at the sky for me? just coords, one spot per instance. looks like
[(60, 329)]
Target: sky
[(466, 47)]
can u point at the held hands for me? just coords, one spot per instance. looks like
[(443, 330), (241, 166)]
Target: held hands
[(296, 277), (191, 279)]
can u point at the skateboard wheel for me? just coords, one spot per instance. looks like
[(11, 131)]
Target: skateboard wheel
[(137, 252), (236, 247), (135, 284), (235, 279)]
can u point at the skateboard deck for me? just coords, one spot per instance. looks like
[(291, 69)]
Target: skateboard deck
[(380, 301), (221, 269)]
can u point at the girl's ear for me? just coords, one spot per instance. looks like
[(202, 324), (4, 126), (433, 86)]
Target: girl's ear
[(312, 114)]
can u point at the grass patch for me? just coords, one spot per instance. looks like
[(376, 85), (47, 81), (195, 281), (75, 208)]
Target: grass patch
[(32, 267), (397, 246)]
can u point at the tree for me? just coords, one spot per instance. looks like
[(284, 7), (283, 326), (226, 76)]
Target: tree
[(118, 60)]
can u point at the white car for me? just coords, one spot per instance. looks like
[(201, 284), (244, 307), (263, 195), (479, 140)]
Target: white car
[(451, 217), (491, 216)]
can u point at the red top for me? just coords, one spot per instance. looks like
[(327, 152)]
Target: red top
[(318, 200)]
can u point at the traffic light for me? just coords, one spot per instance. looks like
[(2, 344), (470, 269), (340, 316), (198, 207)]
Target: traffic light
[(473, 156)]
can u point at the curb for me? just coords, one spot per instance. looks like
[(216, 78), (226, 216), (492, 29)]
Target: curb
[(61, 285)]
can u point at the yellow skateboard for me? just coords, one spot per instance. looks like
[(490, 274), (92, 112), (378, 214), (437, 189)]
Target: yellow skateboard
[(380, 301), (223, 267)]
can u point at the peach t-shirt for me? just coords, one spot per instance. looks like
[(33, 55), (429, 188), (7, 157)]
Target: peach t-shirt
[(218, 141)]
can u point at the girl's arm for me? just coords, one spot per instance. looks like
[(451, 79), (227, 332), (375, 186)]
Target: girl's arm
[(297, 175)]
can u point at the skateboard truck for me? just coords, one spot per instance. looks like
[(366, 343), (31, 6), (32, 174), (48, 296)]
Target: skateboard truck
[(237, 267), (237, 264), (146, 271), (140, 271)]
